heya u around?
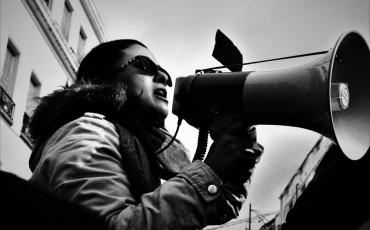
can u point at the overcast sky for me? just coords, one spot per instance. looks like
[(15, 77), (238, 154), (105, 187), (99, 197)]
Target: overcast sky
[(181, 36)]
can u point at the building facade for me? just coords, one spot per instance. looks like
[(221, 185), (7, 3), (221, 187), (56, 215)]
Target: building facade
[(301, 178), (41, 45)]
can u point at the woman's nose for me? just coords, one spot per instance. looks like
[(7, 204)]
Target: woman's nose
[(161, 78)]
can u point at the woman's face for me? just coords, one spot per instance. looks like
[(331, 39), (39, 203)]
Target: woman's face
[(150, 90)]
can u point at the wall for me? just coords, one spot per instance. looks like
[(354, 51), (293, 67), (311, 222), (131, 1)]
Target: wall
[(40, 56)]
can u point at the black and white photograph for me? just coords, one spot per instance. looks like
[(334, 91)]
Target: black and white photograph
[(177, 115)]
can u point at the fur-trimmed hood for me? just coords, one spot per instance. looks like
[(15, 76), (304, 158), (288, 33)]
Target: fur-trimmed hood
[(69, 103)]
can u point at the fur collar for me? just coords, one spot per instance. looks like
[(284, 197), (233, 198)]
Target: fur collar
[(69, 103)]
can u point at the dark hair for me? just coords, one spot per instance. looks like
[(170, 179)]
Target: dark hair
[(96, 65)]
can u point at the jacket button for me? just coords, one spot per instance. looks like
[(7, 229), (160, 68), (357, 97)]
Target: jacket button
[(212, 189)]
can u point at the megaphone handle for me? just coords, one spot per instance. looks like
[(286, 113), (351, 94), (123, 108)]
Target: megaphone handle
[(202, 142)]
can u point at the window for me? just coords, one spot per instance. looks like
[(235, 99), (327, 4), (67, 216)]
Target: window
[(7, 80), (291, 204), (303, 187), (81, 45), (33, 94), (66, 19), (49, 3), (31, 103), (10, 67)]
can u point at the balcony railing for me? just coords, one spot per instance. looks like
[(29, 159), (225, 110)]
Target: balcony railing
[(6, 105), (25, 132)]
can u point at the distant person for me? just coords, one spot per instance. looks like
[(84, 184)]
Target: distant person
[(98, 143)]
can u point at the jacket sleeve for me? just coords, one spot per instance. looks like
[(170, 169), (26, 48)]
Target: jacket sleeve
[(83, 165)]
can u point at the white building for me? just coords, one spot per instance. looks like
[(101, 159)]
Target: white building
[(301, 178), (41, 44)]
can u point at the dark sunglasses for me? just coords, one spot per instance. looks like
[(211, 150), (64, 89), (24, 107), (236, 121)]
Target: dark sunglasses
[(146, 64)]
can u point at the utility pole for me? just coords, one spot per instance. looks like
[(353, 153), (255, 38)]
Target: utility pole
[(250, 217)]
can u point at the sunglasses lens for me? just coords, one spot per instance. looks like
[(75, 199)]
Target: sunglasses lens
[(149, 66), (169, 80), (145, 64)]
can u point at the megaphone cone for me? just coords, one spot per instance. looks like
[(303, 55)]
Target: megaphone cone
[(350, 63), (330, 95)]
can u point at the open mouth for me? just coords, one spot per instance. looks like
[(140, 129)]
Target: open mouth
[(162, 93)]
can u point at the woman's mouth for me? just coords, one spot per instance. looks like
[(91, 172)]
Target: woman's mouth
[(161, 93)]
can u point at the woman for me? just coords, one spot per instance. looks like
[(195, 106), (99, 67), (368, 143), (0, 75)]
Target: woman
[(98, 143)]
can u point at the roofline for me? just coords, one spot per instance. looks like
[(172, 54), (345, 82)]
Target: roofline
[(317, 144), (53, 35), (95, 19)]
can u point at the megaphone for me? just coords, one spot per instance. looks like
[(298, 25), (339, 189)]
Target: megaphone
[(330, 95)]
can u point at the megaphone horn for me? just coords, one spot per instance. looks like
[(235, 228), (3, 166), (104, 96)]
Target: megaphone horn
[(330, 95)]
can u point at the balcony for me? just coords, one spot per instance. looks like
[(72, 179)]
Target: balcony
[(6, 106), (25, 133)]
